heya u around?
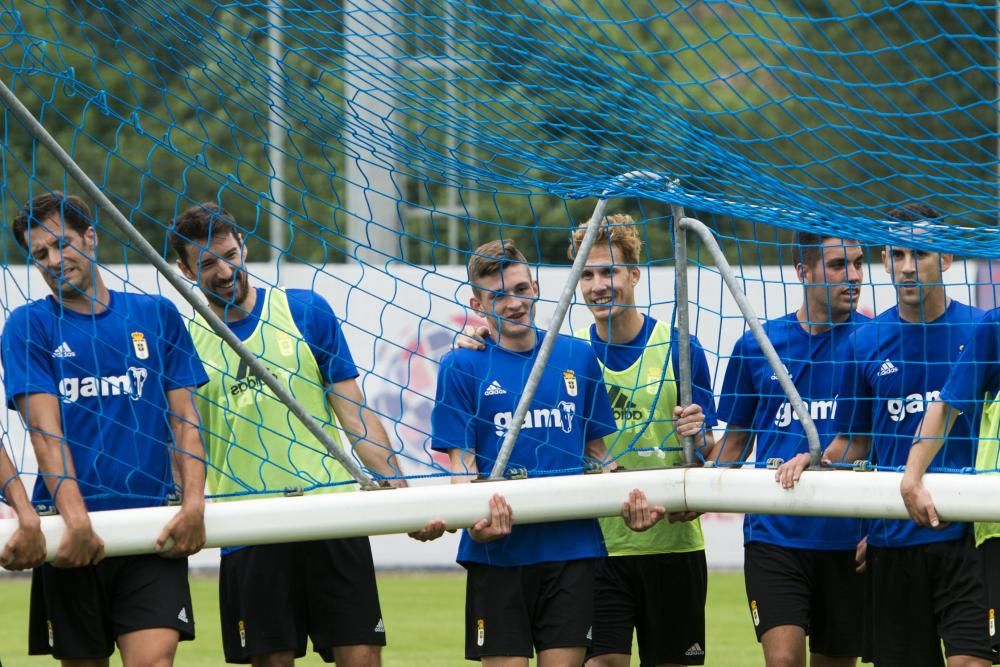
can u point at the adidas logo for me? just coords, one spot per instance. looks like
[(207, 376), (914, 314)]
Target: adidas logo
[(494, 389), (183, 615), (695, 649), (623, 408), (887, 369), (590, 633), (380, 626), (63, 352)]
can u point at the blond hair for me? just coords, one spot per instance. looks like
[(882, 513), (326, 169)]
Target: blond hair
[(618, 230)]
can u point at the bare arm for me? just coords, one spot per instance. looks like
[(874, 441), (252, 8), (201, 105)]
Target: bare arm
[(80, 545), (929, 438), (462, 463), (365, 430), (26, 547), (187, 528), (733, 445)]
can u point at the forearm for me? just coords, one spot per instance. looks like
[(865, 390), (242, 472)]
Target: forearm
[(730, 448), (463, 465), (55, 464), (373, 447), (189, 460), (845, 449), (14, 494), (930, 437)]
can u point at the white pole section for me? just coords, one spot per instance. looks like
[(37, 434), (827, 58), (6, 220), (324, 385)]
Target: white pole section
[(275, 131), (819, 493)]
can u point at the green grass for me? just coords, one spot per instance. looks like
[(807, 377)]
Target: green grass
[(423, 616)]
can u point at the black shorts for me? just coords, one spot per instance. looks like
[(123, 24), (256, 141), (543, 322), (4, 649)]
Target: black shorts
[(274, 596), (78, 613), (923, 595), (816, 590), (990, 556), (661, 597), (514, 611)]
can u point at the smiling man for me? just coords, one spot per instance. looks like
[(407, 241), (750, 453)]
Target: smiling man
[(325, 589), (528, 587), (639, 357), (103, 380)]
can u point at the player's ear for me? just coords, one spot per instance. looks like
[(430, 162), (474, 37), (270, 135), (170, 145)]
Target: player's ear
[(886, 264), (90, 236), (800, 271), (243, 246), (182, 265), (634, 274), (475, 303), (946, 260)]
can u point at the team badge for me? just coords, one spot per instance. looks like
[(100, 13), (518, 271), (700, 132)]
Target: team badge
[(287, 346), (753, 613), (480, 632), (243, 634), (139, 345), (653, 378), (993, 622), (569, 379), (52, 635)]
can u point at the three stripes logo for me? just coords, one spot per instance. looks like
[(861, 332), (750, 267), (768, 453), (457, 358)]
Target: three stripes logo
[(624, 409), (887, 368)]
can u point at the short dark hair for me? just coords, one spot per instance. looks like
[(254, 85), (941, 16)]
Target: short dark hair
[(74, 211), (199, 224), (809, 248), (913, 212), (492, 258)]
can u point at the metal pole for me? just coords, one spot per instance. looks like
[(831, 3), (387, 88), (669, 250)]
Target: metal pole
[(275, 132), (562, 306), (780, 372), (683, 324), (22, 113)]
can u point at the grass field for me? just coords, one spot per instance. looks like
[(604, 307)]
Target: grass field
[(423, 616)]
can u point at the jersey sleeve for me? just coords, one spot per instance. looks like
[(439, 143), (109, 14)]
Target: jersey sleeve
[(854, 392), (977, 370), (738, 402), (701, 379), (182, 366), (454, 414), (323, 333), (601, 420), (27, 361)]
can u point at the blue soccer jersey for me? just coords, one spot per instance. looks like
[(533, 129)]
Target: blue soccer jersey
[(477, 393), (895, 369), (752, 398), (111, 372), (976, 376)]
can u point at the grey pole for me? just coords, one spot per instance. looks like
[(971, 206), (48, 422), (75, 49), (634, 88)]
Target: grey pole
[(683, 323), (780, 372), (275, 132), (22, 113)]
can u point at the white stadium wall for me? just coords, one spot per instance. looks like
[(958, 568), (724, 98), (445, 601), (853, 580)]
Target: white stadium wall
[(398, 323)]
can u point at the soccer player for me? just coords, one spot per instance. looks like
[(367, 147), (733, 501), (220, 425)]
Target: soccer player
[(529, 587), (924, 584), (800, 571), (103, 381), (973, 389), (639, 358), (25, 549), (324, 589)]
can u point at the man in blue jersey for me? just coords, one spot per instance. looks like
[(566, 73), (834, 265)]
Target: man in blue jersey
[(924, 584), (639, 357), (530, 587), (103, 381), (800, 571), (25, 549), (325, 589), (973, 388)]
